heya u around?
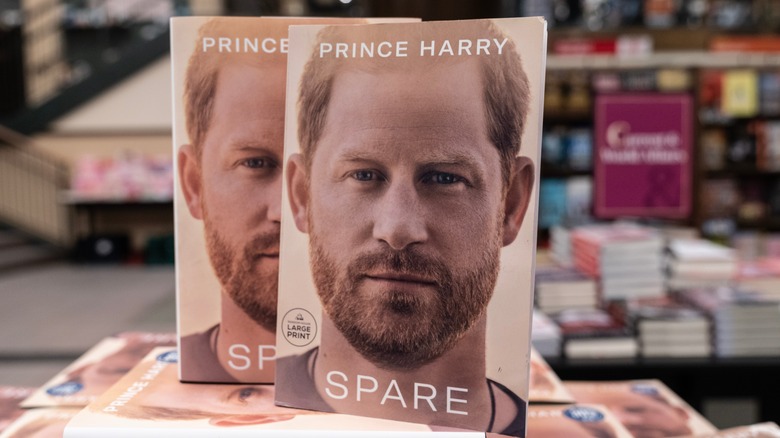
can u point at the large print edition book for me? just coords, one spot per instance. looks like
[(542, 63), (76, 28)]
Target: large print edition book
[(409, 221), (151, 401), (228, 102)]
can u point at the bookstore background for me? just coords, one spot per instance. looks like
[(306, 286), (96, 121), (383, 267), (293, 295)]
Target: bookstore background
[(658, 256)]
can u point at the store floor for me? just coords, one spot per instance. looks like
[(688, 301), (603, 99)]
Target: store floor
[(51, 314)]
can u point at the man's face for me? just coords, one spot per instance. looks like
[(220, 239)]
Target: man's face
[(643, 416), (241, 186), (218, 399), (405, 211)]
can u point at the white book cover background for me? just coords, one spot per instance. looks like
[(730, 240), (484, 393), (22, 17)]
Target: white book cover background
[(509, 310), (97, 369), (150, 401)]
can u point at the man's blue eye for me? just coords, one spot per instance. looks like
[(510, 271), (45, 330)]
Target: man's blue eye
[(364, 175), (258, 163), (445, 178), (246, 393)]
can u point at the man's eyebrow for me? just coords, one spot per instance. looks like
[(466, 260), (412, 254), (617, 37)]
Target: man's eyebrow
[(252, 146)]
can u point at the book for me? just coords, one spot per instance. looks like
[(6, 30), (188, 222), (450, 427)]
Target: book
[(10, 398), (552, 202), (644, 407), (741, 320), (558, 288), (545, 335), (546, 386), (43, 422), (643, 168), (595, 333), (151, 401), (579, 200), (760, 430), (740, 93), (667, 327), (403, 297), (229, 84), (97, 369), (574, 421)]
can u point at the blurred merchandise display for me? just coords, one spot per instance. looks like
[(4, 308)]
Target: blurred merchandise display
[(128, 177)]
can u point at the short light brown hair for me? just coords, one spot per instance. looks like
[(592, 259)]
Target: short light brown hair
[(203, 69), (505, 85)]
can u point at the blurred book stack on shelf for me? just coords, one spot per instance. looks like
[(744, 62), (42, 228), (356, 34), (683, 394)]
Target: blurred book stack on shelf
[(761, 275), (545, 335), (625, 258), (559, 288), (595, 333), (745, 323), (669, 328), (695, 263)]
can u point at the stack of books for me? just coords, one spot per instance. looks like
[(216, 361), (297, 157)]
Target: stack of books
[(545, 335), (626, 258), (745, 323), (761, 275), (668, 328), (595, 333), (558, 288), (693, 263), (560, 245)]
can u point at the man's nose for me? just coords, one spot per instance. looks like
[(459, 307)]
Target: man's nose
[(399, 219)]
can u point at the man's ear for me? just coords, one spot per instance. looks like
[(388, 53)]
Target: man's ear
[(249, 419), (298, 191), (521, 183), (191, 180)]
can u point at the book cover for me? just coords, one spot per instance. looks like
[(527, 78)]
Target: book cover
[(151, 401), (10, 398), (643, 165), (760, 430), (97, 369), (644, 407), (42, 422), (546, 386), (229, 76), (409, 225), (740, 93), (574, 421)]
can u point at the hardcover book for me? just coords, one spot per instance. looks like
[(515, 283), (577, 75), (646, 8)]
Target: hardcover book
[(97, 369), (643, 167), (574, 421), (151, 401), (10, 398), (43, 422), (228, 101), (645, 407), (409, 224), (546, 386), (760, 430)]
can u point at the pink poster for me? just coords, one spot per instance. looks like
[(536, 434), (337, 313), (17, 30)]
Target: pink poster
[(644, 153)]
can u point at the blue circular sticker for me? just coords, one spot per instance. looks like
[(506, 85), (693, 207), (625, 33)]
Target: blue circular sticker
[(583, 414), (63, 389), (169, 357)]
